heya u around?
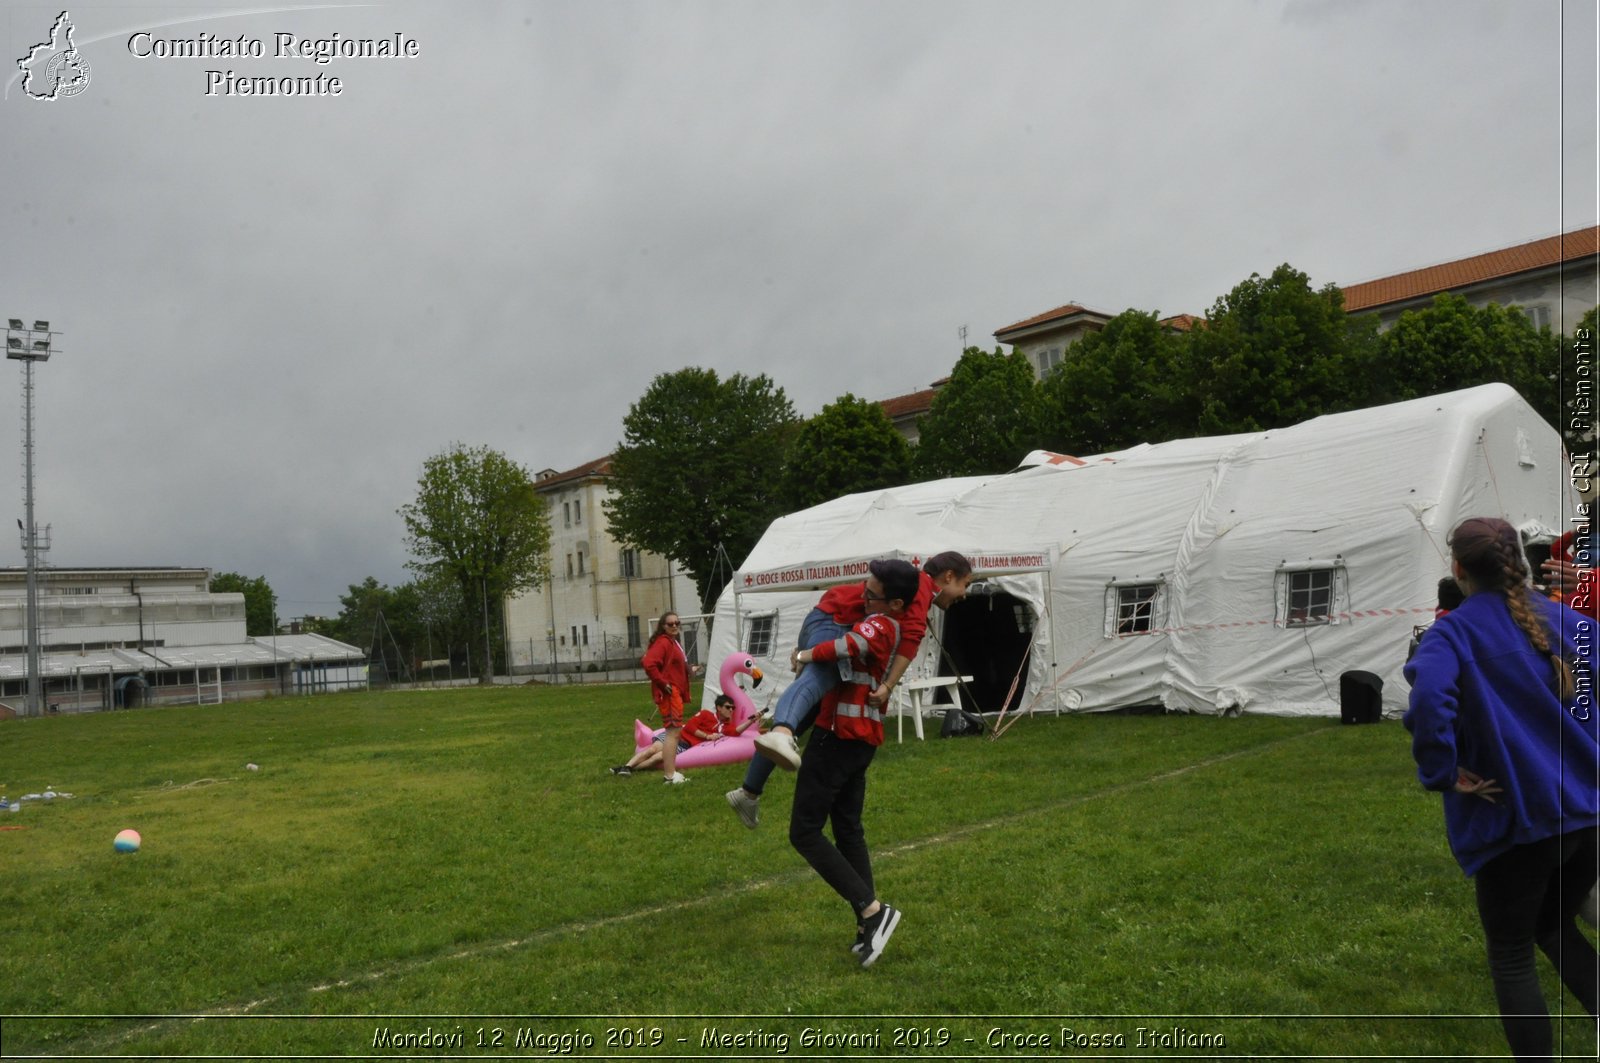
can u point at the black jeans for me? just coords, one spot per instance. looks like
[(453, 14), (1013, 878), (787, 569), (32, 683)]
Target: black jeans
[(832, 785), (1530, 895)]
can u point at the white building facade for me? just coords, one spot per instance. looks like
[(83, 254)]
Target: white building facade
[(601, 603)]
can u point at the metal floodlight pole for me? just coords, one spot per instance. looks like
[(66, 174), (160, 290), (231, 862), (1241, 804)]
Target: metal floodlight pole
[(30, 345)]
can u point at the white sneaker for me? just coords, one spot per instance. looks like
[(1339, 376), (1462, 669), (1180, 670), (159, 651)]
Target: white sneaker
[(875, 933), (748, 807), (676, 778), (781, 749)]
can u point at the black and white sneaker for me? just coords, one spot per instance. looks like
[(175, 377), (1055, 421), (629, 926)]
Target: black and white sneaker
[(876, 932), (861, 940), (622, 769)]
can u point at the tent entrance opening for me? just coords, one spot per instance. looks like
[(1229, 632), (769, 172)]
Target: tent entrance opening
[(989, 637)]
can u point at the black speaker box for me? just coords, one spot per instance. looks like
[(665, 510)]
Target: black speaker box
[(1360, 697)]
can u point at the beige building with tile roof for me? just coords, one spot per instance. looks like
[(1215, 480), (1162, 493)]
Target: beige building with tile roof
[(602, 601), (1553, 280)]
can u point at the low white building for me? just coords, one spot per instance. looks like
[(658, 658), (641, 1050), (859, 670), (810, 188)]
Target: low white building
[(121, 637)]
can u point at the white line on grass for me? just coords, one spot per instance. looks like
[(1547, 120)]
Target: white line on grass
[(721, 896)]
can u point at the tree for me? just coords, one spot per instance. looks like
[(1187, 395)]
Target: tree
[(693, 476), (1452, 344), (1274, 352), (478, 522), (260, 604), (850, 446), (1114, 389), (983, 420), (420, 620)]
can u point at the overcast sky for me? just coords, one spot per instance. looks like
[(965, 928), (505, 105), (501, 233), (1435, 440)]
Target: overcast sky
[(274, 310)]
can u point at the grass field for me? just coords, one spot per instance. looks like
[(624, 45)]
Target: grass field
[(454, 874)]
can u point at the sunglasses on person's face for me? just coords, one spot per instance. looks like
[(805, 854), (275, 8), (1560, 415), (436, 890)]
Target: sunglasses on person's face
[(672, 623)]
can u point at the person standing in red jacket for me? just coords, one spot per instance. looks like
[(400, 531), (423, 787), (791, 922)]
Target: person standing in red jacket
[(832, 785), (668, 668)]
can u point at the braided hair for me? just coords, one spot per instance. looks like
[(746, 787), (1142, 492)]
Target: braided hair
[(1489, 551)]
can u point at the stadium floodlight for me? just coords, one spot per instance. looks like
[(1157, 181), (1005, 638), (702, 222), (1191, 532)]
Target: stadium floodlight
[(25, 344), (32, 346)]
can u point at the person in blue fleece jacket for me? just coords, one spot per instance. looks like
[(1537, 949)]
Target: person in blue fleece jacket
[(1503, 723)]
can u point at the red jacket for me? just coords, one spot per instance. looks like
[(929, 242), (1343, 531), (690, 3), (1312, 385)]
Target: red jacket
[(1581, 598), (868, 646), (704, 720), (668, 667), (847, 604)]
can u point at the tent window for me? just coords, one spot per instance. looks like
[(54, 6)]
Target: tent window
[(763, 631), (1135, 608), (1308, 596)]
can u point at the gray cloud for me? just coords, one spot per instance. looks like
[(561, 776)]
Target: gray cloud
[(275, 309)]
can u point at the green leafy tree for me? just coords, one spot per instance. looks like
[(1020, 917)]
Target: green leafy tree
[(260, 604), (850, 446), (424, 619), (1452, 344), (1274, 352), (983, 421), (693, 477), (478, 523), (359, 610), (1114, 389)]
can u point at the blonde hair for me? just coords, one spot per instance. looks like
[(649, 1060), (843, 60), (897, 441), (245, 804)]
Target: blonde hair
[(1489, 551)]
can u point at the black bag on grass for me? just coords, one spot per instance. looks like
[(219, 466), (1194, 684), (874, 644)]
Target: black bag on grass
[(959, 723)]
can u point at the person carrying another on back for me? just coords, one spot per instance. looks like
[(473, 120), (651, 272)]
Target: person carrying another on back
[(832, 785), (1503, 723), (943, 581)]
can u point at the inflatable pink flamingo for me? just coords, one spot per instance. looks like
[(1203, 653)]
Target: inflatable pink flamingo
[(725, 749)]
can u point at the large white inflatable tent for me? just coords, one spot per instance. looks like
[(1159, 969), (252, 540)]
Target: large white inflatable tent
[(1238, 573)]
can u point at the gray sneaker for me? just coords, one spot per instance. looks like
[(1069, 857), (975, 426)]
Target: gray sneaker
[(781, 749), (748, 807), (677, 778)]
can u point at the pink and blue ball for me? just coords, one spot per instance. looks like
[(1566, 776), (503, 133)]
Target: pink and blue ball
[(126, 842)]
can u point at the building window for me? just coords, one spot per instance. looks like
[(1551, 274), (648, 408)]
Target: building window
[(1538, 316), (630, 564), (566, 514), (574, 637), (586, 634), (635, 638), (763, 629), (577, 511), (1135, 608), (569, 566), (1049, 358), (580, 560), (1311, 594)]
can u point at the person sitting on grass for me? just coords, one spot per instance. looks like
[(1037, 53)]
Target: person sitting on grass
[(943, 582), (706, 725), (832, 784)]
